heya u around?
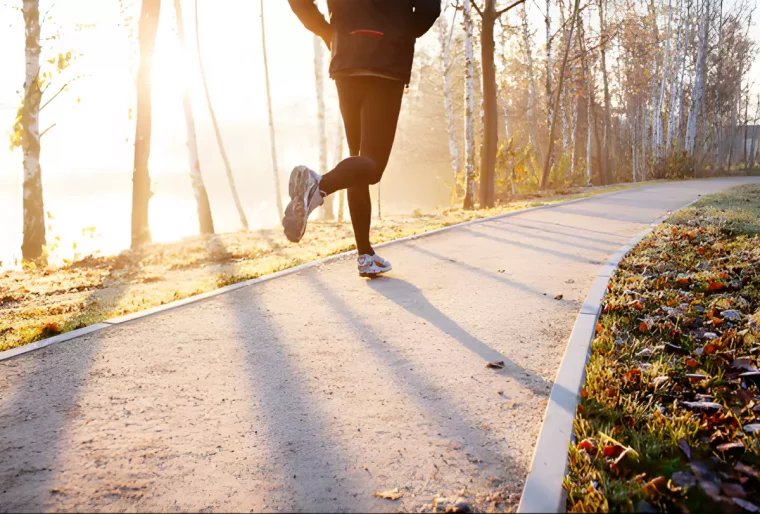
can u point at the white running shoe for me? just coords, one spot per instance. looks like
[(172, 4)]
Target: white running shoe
[(372, 265), (305, 196)]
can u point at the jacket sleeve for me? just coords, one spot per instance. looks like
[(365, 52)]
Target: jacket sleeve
[(425, 14), (311, 17)]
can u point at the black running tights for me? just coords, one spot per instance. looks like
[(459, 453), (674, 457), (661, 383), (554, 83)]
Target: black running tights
[(370, 107)]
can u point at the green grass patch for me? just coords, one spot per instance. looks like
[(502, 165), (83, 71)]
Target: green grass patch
[(671, 399)]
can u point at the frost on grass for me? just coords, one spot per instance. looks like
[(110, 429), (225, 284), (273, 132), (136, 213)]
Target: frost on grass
[(671, 404)]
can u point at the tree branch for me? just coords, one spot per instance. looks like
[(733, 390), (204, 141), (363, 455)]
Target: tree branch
[(476, 7), (509, 7), (45, 131), (59, 91)]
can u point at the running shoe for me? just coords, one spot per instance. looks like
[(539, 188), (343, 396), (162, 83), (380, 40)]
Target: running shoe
[(305, 196), (371, 266)]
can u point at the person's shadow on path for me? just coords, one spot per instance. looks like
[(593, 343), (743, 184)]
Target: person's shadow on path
[(412, 299)]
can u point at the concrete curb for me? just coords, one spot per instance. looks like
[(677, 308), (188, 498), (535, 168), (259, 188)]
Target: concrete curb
[(15, 352), (543, 491)]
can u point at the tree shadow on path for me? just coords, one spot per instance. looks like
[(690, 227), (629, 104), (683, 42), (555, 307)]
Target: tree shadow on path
[(411, 298)]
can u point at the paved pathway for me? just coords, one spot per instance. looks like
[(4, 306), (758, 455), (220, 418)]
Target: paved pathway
[(312, 391)]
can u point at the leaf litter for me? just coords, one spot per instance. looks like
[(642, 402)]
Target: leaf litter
[(669, 417)]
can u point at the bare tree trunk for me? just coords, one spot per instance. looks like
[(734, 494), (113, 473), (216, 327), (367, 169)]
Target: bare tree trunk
[(275, 167), (205, 219), (328, 212), (34, 211), (547, 161), (469, 116), (753, 147), (746, 123), (732, 128), (717, 122), (448, 97), (549, 111), (699, 85), (657, 116), (532, 104), (589, 80), (215, 123), (141, 192), (339, 157), (680, 60), (490, 139), (607, 117)]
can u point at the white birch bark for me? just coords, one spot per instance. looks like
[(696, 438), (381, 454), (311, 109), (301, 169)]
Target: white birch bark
[(448, 98), (699, 81), (205, 219), (676, 79), (217, 130), (469, 117), (272, 139), (549, 113), (34, 213), (327, 211), (339, 143), (657, 118), (531, 114)]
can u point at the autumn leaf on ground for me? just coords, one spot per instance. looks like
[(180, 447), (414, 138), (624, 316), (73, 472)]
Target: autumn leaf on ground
[(495, 365), (559, 296), (389, 495)]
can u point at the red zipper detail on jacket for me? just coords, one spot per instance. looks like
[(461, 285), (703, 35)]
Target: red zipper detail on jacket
[(366, 33)]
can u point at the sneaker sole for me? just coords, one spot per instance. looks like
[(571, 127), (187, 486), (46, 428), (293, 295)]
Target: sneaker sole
[(375, 275), (294, 222)]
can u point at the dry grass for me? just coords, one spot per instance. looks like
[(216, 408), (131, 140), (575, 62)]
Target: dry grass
[(41, 302)]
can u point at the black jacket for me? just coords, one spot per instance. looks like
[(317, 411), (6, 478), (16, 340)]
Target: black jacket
[(374, 35)]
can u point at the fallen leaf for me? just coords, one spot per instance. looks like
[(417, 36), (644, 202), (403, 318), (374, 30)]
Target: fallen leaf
[(643, 327), (683, 479), (733, 490), (559, 296), (645, 353), (651, 487), (588, 445), (716, 286), (684, 446), (495, 365), (709, 349), (744, 504), (613, 451), (704, 405), (692, 363), (389, 495), (730, 446)]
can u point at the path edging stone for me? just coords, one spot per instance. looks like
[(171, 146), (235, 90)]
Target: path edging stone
[(543, 491)]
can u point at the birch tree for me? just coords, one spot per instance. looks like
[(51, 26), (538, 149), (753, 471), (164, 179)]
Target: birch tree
[(444, 40), (469, 116), (558, 96), (141, 193), (205, 220), (217, 130), (607, 116), (272, 138), (339, 143), (328, 212), (34, 212), (699, 81)]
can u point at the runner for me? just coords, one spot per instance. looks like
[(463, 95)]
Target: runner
[(372, 44)]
